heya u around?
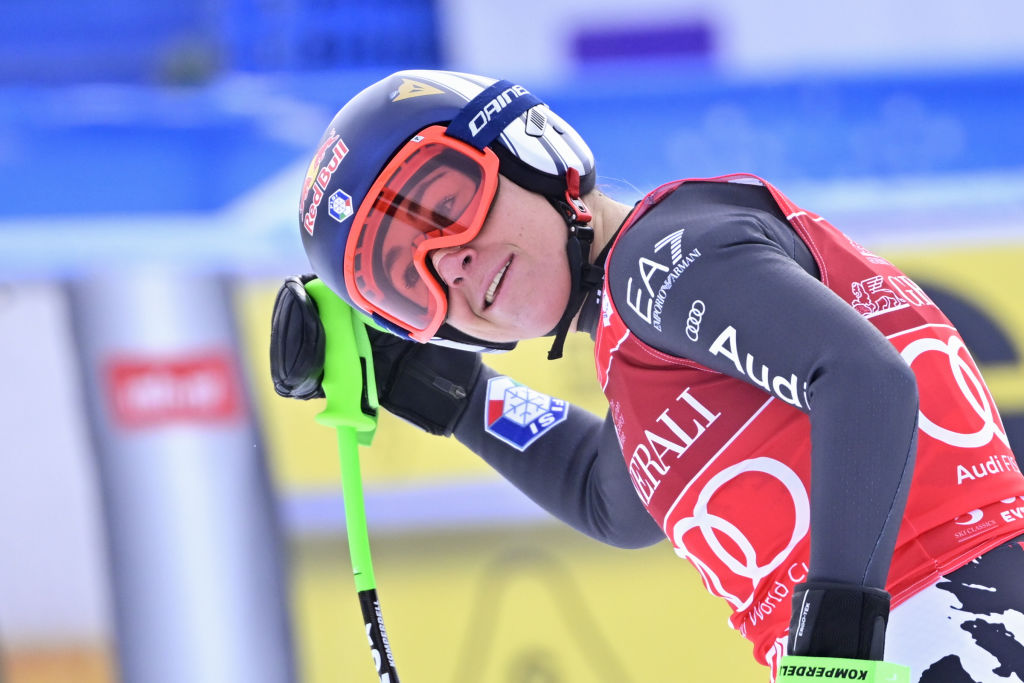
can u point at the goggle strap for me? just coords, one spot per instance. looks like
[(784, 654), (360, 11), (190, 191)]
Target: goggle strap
[(483, 118)]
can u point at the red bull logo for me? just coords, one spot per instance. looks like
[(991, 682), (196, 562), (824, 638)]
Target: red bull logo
[(317, 181)]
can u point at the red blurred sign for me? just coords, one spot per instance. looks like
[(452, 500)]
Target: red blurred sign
[(154, 391)]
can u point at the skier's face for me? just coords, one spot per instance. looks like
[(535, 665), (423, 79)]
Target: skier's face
[(511, 282)]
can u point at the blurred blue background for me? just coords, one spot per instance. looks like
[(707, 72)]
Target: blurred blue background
[(175, 134), (174, 107)]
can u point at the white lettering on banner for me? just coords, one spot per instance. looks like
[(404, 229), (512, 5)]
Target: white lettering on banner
[(494, 107), (995, 464), (647, 301), (637, 303), (976, 394), (666, 285), (776, 596), (910, 290), (674, 241), (880, 294), (871, 297), (647, 270), (785, 388), (967, 533), (801, 572), (1013, 513), (647, 465), (972, 517), (974, 522), (710, 525)]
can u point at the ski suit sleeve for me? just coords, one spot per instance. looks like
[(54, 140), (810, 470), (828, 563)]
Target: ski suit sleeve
[(766, 308), (575, 471)]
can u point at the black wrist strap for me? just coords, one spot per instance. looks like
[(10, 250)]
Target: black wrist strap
[(838, 620)]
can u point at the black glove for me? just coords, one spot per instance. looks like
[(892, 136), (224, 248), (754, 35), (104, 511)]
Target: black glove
[(838, 620), (296, 342), (424, 384)]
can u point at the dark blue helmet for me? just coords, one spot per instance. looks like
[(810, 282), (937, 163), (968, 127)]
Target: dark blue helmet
[(536, 149)]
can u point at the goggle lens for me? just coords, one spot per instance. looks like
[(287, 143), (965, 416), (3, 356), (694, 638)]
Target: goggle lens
[(435, 193)]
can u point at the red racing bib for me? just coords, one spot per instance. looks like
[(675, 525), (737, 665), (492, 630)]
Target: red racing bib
[(724, 467)]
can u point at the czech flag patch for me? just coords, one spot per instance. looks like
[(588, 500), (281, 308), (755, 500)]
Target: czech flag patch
[(518, 415)]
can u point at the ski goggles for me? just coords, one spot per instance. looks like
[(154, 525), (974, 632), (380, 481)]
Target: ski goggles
[(434, 193)]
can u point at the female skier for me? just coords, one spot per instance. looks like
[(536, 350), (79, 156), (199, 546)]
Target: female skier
[(789, 409)]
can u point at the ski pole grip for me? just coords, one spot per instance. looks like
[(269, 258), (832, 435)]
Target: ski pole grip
[(795, 669), (348, 382)]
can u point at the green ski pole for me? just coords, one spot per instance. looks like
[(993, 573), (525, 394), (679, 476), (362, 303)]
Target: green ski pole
[(351, 393)]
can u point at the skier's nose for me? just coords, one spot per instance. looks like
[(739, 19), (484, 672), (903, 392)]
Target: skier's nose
[(453, 264)]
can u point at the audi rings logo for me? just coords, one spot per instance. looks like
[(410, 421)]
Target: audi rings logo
[(711, 525), (971, 386), (693, 320)]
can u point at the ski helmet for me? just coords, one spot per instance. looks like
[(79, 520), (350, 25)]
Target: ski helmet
[(361, 194)]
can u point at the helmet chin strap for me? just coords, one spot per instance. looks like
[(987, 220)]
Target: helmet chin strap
[(585, 277)]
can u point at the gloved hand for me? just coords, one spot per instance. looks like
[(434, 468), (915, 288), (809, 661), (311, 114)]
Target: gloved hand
[(296, 342), (424, 384)]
